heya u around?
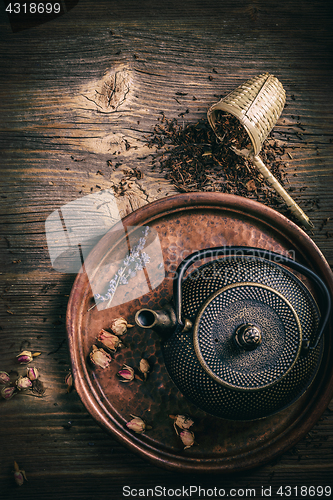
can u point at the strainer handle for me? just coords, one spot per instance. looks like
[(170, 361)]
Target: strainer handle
[(321, 288), (291, 204)]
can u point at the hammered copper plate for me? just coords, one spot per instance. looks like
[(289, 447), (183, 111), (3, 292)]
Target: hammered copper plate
[(185, 223)]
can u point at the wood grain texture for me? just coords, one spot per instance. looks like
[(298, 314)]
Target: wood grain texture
[(78, 97)]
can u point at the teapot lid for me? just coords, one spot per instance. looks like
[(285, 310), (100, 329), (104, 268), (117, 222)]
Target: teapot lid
[(247, 336)]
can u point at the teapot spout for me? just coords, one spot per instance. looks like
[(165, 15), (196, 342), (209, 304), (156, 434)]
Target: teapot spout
[(162, 321)]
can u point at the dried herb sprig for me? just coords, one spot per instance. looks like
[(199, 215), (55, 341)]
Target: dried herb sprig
[(132, 263)]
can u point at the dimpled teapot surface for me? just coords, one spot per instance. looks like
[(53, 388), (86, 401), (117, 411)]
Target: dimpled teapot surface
[(245, 337)]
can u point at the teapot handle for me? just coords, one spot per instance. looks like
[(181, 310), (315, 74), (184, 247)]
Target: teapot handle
[(321, 288)]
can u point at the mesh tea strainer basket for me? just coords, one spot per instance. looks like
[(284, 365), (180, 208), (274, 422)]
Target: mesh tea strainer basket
[(257, 104)]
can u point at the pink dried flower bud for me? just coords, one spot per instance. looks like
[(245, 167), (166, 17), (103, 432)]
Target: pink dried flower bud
[(183, 421), (144, 367), (4, 378), (69, 380), (23, 383), (26, 357), (187, 438), (119, 326), (99, 357), (126, 374), (136, 424), (109, 340), (32, 373), (19, 475), (19, 478), (7, 392)]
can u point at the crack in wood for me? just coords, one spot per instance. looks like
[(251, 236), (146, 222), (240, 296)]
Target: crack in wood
[(109, 93)]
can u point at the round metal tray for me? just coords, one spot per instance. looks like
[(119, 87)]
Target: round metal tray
[(182, 224)]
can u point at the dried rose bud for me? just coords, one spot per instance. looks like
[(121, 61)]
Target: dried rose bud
[(109, 340), (126, 374), (136, 424), (23, 383), (119, 326), (183, 422), (32, 373), (26, 357), (4, 378), (100, 357), (144, 367), (38, 387), (19, 475), (69, 380), (7, 392), (187, 438)]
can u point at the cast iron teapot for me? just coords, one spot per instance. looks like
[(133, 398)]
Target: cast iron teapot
[(244, 336)]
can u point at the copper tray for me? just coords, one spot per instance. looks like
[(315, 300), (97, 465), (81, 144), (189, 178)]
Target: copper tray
[(185, 223)]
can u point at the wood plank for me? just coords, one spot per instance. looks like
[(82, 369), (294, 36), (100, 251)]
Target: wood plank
[(63, 130)]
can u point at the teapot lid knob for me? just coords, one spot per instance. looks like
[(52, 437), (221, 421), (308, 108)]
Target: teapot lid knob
[(248, 336)]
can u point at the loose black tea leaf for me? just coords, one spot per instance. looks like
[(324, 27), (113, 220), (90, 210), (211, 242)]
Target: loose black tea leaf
[(193, 159)]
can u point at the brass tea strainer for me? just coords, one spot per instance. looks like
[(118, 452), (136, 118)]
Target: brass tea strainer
[(257, 104)]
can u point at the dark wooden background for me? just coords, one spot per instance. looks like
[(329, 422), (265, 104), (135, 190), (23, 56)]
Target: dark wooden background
[(59, 128)]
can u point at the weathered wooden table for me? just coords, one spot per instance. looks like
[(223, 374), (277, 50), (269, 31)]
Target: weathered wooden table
[(79, 94)]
